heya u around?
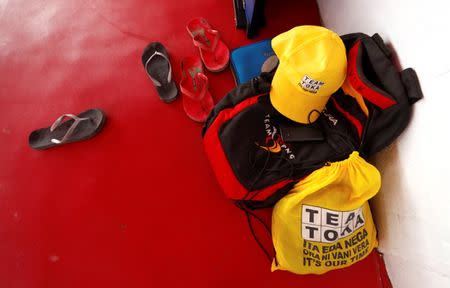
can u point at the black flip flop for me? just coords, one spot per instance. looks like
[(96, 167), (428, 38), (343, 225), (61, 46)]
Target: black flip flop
[(157, 66), (83, 126)]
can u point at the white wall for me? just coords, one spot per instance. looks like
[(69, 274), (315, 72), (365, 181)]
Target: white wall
[(412, 209)]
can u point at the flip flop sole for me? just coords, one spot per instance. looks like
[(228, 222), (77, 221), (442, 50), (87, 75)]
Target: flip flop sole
[(218, 60), (170, 90), (198, 111)]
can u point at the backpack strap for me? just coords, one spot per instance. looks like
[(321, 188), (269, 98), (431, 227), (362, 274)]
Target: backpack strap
[(379, 41), (408, 76), (412, 85)]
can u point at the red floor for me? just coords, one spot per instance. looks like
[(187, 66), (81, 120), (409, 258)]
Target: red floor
[(137, 206)]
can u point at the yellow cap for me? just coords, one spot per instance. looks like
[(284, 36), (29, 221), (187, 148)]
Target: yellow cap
[(313, 65)]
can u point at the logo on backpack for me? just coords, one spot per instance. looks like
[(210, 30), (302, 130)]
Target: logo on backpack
[(274, 148), (274, 142), (330, 117)]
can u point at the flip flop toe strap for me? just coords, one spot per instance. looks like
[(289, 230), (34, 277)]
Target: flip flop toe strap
[(69, 132), (194, 95), (169, 76), (200, 42)]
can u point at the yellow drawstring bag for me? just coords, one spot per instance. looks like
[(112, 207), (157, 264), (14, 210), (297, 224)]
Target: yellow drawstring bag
[(325, 223)]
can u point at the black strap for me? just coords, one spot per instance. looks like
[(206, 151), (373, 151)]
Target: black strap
[(408, 76), (379, 41), (412, 85), (249, 213)]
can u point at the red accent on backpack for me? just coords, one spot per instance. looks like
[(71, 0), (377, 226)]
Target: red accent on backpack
[(221, 167), (358, 84)]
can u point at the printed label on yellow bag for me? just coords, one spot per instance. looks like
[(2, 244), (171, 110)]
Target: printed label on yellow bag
[(334, 238), (325, 222)]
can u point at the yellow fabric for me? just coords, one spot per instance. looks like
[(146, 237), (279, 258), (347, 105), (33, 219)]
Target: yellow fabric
[(325, 223), (313, 66)]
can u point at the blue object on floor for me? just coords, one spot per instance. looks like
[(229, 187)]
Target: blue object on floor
[(246, 61)]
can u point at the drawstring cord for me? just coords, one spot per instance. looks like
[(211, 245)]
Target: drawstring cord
[(300, 165), (250, 225), (292, 168)]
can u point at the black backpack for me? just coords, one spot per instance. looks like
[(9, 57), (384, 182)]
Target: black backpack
[(258, 155)]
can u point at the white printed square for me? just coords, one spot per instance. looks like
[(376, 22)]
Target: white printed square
[(330, 235), (359, 219), (348, 219), (311, 232), (311, 214), (346, 230), (331, 218)]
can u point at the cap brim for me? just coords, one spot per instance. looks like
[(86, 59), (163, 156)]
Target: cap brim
[(291, 101)]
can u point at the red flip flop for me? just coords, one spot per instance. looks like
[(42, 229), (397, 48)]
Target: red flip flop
[(214, 53), (197, 101)]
